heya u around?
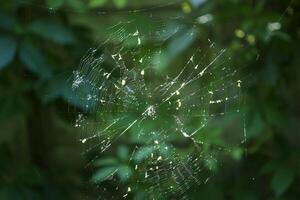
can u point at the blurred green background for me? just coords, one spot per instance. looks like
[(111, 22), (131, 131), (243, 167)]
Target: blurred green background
[(42, 42)]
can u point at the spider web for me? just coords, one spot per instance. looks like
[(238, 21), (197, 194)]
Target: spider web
[(162, 111), (159, 109)]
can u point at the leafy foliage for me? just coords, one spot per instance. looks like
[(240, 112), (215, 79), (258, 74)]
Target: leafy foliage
[(7, 51), (41, 42)]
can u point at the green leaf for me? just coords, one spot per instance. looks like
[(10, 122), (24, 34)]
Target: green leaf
[(142, 153), (54, 3), (120, 3), (106, 162), (256, 125), (281, 180), (269, 167), (181, 42), (77, 5), (104, 174), (197, 3), (7, 50), (211, 163), (60, 86), (53, 88), (237, 153), (123, 152), (52, 30), (124, 173), (96, 3), (34, 60)]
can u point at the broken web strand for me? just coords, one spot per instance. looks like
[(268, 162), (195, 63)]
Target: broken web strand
[(156, 173)]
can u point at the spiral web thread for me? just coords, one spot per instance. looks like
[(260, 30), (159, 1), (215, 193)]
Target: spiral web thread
[(131, 99)]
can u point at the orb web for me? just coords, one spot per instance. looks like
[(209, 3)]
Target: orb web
[(155, 113)]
